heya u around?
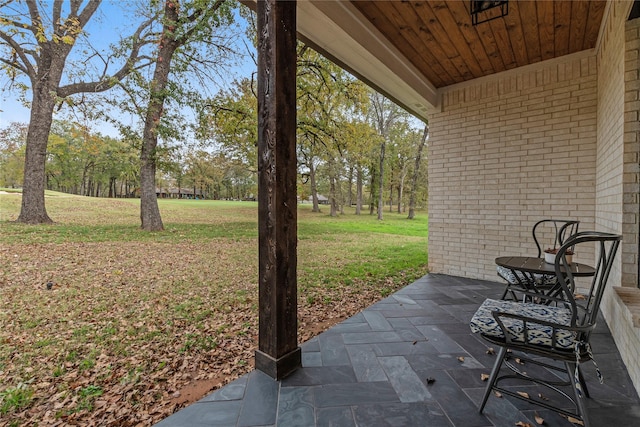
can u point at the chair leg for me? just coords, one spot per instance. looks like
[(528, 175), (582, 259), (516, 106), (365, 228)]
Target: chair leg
[(508, 290), (494, 376), (580, 403), (583, 383)]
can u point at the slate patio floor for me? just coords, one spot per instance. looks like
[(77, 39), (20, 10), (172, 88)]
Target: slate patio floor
[(397, 364)]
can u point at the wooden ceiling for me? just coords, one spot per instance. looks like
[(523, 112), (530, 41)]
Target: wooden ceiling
[(439, 39)]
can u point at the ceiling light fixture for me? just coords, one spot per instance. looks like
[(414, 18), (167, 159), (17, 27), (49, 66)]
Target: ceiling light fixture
[(486, 10)]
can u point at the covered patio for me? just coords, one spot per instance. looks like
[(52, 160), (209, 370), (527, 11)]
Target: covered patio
[(534, 114), (408, 360)]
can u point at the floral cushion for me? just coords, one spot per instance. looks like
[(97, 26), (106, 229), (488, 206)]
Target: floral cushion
[(512, 277), (484, 323)]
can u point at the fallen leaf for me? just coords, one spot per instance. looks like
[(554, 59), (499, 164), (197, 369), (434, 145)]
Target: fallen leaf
[(521, 424), (575, 421), (484, 377), (497, 393), (539, 419), (431, 380), (490, 350), (519, 361), (415, 342), (579, 297), (542, 396), (524, 394), (461, 359)]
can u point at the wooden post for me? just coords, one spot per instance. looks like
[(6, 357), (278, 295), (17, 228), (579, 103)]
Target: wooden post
[(278, 353)]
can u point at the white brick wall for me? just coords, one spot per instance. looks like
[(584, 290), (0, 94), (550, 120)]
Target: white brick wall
[(505, 152)]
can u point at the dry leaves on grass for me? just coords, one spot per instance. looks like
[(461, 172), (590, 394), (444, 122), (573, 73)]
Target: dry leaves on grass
[(131, 332)]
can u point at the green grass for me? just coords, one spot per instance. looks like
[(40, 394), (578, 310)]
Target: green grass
[(15, 398), (135, 314)]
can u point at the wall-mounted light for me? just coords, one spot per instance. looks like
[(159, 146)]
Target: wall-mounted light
[(486, 10)]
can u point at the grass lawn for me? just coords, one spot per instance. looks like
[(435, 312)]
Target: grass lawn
[(137, 324)]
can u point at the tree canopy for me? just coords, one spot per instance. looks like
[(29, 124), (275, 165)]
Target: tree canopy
[(185, 134)]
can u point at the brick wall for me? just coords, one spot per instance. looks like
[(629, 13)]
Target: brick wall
[(617, 174), (557, 139), (631, 144), (504, 152)]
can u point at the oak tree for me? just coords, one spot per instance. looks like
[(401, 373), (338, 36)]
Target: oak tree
[(36, 44)]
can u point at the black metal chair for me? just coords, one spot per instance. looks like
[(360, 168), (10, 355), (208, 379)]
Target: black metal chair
[(547, 233), (540, 336)]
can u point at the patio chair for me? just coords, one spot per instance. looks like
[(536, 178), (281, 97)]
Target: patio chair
[(547, 233), (549, 338)]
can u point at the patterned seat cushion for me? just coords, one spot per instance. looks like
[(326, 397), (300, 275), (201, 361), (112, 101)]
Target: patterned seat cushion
[(484, 323), (512, 277)]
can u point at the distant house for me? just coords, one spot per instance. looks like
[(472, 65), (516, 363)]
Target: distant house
[(172, 193), (185, 193), (323, 200), (162, 193)]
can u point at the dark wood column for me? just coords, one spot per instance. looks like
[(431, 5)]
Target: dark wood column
[(278, 353)]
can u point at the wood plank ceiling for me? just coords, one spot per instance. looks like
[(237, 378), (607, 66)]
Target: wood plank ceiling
[(438, 38)]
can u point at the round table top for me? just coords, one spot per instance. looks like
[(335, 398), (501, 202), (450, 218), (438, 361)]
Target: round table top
[(540, 266)]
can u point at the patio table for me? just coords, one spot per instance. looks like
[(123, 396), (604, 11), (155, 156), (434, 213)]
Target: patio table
[(531, 267)]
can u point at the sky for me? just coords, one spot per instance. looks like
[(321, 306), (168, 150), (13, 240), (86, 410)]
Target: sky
[(109, 22)]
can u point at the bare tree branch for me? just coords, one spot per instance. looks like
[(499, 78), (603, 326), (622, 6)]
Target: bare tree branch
[(27, 66), (14, 64), (87, 12), (104, 83), (36, 20), (57, 10)]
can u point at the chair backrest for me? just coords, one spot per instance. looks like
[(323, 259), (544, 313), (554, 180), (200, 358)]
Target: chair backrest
[(552, 233), (585, 308)]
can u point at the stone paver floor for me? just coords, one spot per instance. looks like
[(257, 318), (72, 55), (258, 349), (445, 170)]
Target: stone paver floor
[(408, 360)]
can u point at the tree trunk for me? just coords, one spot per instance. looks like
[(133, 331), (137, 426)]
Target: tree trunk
[(149, 211), (350, 186), (381, 180), (400, 196), (358, 191), (332, 196), (314, 188), (372, 191), (32, 210), (414, 181), (341, 201)]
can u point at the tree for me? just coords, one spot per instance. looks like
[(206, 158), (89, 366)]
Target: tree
[(384, 115), (327, 98), (231, 120), (37, 46), (188, 29), (12, 151), (362, 138), (80, 161), (416, 169), (401, 150)]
